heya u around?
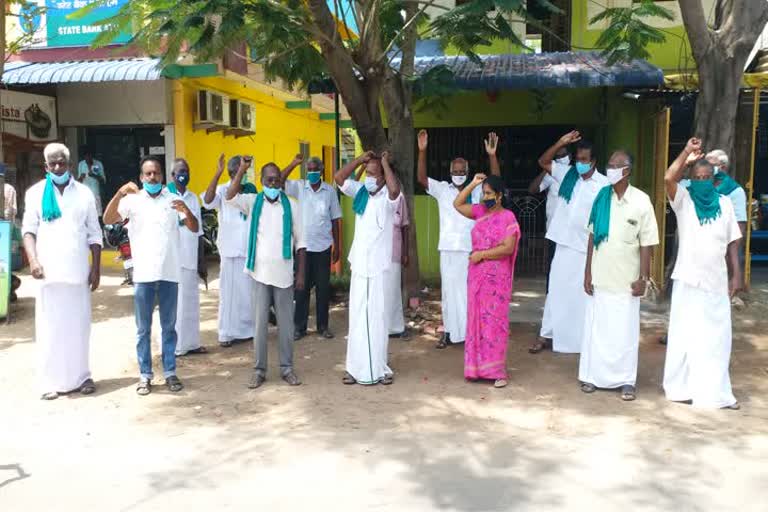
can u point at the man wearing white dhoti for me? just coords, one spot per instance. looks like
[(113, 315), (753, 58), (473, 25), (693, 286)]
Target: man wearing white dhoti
[(156, 217), (60, 228), (192, 261), (235, 288), (455, 243), (699, 337), (275, 233), (623, 231), (370, 257), (563, 318)]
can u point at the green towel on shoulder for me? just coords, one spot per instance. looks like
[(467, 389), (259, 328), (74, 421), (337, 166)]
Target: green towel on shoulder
[(568, 184), (51, 210), (250, 262), (600, 216), (727, 184)]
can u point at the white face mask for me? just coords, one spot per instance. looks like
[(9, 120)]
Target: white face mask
[(371, 184), (459, 180), (615, 175), (563, 160)]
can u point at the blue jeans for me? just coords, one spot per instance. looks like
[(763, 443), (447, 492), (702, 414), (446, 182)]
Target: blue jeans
[(144, 297)]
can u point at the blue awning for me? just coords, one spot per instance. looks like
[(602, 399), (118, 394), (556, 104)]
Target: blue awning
[(542, 71), (113, 70)]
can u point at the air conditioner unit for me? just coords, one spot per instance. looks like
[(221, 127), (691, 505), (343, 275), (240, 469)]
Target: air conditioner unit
[(212, 108), (242, 116)]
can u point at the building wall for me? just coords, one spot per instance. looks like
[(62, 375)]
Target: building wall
[(279, 131), (113, 103)]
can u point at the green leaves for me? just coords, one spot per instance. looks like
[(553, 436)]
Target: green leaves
[(628, 36)]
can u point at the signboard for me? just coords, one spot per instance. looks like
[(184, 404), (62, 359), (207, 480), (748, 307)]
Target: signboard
[(5, 267), (29, 116), (50, 25)]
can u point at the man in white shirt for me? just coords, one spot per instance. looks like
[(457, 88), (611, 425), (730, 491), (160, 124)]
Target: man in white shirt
[(235, 288), (699, 337), (727, 186), (191, 258), (546, 182), (563, 319), (370, 257), (275, 233), (60, 228), (156, 217), (90, 172), (9, 204), (455, 242), (320, 213)]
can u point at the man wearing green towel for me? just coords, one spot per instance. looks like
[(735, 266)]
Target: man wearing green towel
[(61, 228), (699, 339), (623, 231), (563, 318), (375, 201), (275, 234)]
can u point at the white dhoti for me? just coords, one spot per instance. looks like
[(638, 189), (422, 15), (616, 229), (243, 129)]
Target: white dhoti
[(611, 340), (566, 299), (546, 318), (454, 267), (188, 313), (393, 291), (62, 333), (698, 348), (368, 339), (236, 317)]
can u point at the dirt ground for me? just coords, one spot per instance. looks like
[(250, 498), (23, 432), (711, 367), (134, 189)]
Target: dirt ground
[(429, 442)]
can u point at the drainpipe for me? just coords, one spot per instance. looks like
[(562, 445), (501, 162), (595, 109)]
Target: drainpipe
[(338, 128)]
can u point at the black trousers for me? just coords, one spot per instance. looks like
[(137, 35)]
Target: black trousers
[(317, 274)]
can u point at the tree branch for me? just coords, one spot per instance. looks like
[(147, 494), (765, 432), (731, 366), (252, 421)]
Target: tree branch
[(695, 22), (407, 26)]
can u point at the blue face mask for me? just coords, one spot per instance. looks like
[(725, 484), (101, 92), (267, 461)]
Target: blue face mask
[(583, 168), (60, 180), (182, 179), (313, 177), (489, 203), (271, 193), (153, 188)]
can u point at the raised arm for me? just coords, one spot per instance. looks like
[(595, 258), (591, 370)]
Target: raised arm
[(545, 160), (210, 192), (341, 175), (491, 143), (460, 203), (421, 166), (236, 185), (535, 186), (111, 216), (674, 174), (393, 184), (297, 160)]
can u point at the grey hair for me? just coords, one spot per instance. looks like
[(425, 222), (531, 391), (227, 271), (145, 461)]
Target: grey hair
[(318, 163), (234, 164), (720, 155), (459, 160), (54, 150), (628, 155)]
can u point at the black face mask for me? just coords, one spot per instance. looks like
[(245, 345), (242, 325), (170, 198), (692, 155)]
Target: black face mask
[(489, 203)]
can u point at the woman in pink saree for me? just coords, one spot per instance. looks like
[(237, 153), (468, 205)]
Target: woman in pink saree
[(495, 239)]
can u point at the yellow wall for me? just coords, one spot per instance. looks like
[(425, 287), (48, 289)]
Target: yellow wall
[(278, 130)]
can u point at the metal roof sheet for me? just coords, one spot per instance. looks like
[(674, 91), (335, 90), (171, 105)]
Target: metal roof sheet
[(113, 70)]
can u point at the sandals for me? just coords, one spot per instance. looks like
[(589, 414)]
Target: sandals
[(53, 395), (257, 379), (225, 344), (173, 384), (541, 344), (195, 351), (348, 379), (586, 387), (444, 341), (628, 393), (292, 379), (144, 387), (733, 407), (500, 383), (88, 387), (387, 380)]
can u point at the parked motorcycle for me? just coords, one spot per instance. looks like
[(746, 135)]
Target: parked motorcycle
[(210, 232), (116, 236)]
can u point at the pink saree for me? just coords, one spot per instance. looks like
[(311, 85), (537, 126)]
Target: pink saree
[(489, 291)]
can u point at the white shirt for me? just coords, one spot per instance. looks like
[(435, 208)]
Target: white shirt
[(270, 267), (92, 183), (739, 200), (552, 186), (10, 202), (455, 229), (318, 209), (154, 233), (189, 240), (371, 252), (63, 244), (232, 240), (702, 248), (569, 222)]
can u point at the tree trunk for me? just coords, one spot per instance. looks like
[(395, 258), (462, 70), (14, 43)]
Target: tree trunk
[(716, 106)]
